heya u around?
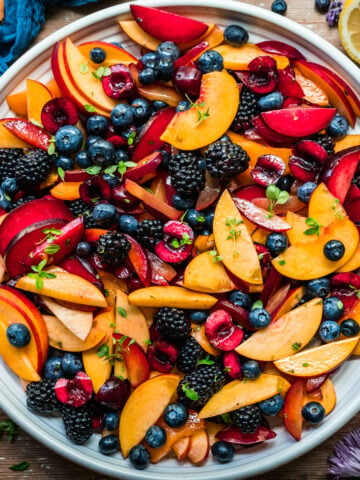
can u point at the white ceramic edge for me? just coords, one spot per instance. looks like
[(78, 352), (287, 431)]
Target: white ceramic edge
[(10, 406)]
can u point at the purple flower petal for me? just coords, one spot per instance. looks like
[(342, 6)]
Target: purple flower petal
[(345, 461)]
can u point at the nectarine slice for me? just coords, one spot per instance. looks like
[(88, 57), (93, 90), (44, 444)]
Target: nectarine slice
[(233, 241), (17, 103), (324, 207), (318, 360), (353, 263), (304, 261), (37, 94), (143, 408), (239, 393), (290, 333), (65, 286), (291, 300), (327, 399), (238, 58), (130, 321), (114, 54), (205, 274), (208, 118), (199, 448), (298, 227), (293, 404), (347, 142), (111, 285), (171, 296)]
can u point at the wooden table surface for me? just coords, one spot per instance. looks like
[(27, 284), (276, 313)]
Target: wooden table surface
[(47, 465)]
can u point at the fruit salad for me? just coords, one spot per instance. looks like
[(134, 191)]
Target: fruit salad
[(179, 240)]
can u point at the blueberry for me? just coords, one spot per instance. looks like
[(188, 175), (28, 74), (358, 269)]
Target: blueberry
[(121, 156), (111, 179), (82, 159), (198, 316), (96, 125), (102, 152), (53, 369), (128, 224), (349, 327), (109, 444), (329, 331), (64, 162), (285, 182), (279, 6), (239, 298), (71, 364), (90, 140), (9, 186), (122, 115), (168, 51), (68, 139), (111, 421), (155, 436), (313, 412), (251, 369), (210, 61), (272, 101), (209, 219), (83, 249), (322, 6), (139, 457), (272, 406), (141, 110), (276, 243), (175, 415), (151, 60), (18, 335), (183, 105), (236, 35), (319, 287), (338, 127), (147, 76), (180, 203), (196, 220), (4, 202), (166, 70), (158, 105), (223, 452), (259, 318), (97, 55), (104, 214), (165, 157), (333, 308), (304, 191), (334, 250)]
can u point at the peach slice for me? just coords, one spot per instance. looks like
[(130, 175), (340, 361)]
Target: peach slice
[(298, 227), (130, 321), (236, 249), (199, 448), (208, 118), (171, 296), (143, 408), (198, 332), (37, 94), (18, 103), (16, 359), (65, 286), (327, 398), (293, 404), (318, 360), (205, 274), (353, 263), (304, 261), (111, 285), (66, 190), (290, 333), (238, 58), (324, 207), (239, 393), (114, 54), (291, 300), (347, 142), (181, 447), (77, 321), (62, 338)]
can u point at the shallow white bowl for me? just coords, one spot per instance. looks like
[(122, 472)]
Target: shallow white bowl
[(102, 25)]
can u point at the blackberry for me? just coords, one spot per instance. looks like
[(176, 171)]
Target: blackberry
[(172, 323), (149, 233), (226, 160), (77, 423), (9, 158), (189, 354), (41, 397), (112, 248), (33, 167), (248, 108), (247, 419), (325, 141), (196, 388), (22, 200), (78, 208), (187, 173)]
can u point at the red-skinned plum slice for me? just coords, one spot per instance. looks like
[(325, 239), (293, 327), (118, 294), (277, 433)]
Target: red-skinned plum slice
[(260, 216), (249, 192), (136, 363), (235, 436), (30, 133), (238, 314), (139, 261), (95, 187), (288, 85), (209, 194), (281, 48), (191, 54)]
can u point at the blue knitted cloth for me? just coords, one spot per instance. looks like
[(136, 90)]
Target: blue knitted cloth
[(21, 24)]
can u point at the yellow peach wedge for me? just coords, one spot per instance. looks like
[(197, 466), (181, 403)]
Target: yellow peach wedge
[(171, 296), (238, 58), (37, 94), (324, 207)]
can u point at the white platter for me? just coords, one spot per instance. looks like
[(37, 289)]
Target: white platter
[(102, 25)]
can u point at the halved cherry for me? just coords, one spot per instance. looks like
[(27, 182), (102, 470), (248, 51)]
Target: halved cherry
[(162, 355), (262, 76), (222, 332), (76, 391), (95, 187), (58, 112), (232, 365), (177, 244), (268, 169), (119, 84)]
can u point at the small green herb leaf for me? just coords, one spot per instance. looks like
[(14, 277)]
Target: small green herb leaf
[(189, 392), (84, 67), (20, 467), (52, 249), (61, 173), (257, 304), (93, 170), (122, 312), (9, 429), (89, 108)]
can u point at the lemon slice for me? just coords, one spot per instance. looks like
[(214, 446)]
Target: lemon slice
[(349, 29)]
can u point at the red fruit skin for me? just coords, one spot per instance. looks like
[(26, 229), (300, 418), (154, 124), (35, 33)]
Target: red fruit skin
[(303, 170), (30, 133), (353, 210), (235, 436), (249, 192), (82, 267), (95, 187), (162, 356), (139, 261), (187, 80), (293, 404), (339, 171), (314, 383), (222, 332), (262, 82), (149, 138), (166, 25), (281, 48), (271, 284), (169, 254), (119, 84), (76, 176), (136, 363), (191, 54), (75, 392), (260, 216), (209, 194), (58, 112), (311, 150), (160, 270), (272, 137), (232, 365), (113, 393), (145, 169), (353, 193), (268, 169), (288, 85), (238, 313)]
